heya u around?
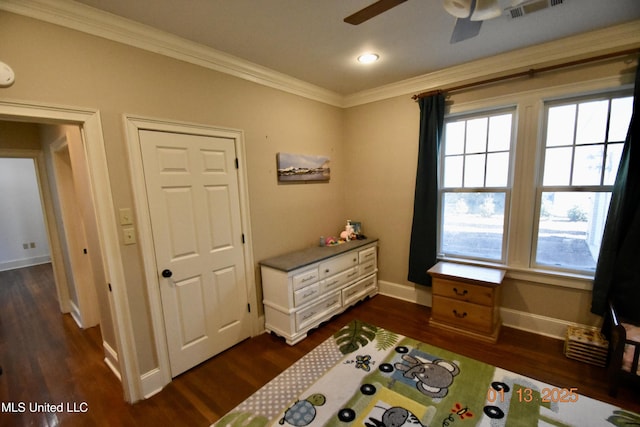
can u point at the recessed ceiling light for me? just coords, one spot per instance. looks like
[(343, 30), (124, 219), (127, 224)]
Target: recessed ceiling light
[(368, 58)]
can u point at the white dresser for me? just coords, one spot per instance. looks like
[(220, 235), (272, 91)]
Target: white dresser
[(304, 288)]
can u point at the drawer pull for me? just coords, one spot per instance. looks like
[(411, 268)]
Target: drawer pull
[(460, 294), (352, 274), (335, 282), (308, 294), (308, 315), (306, 279), (459, 315), (331, 303)]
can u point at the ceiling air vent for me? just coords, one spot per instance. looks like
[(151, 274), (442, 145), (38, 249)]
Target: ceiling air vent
[(531, 6)]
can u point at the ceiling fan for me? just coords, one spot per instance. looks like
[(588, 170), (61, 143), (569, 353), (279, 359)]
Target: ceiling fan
[(470, 13)]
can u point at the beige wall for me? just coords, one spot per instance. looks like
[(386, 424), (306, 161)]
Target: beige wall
[(65, 67), (381, 146)]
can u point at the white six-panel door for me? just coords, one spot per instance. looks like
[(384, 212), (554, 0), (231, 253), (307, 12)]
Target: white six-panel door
[(194, 204)]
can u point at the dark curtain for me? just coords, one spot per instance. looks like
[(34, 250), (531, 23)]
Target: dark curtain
[(422, 249), (618, 271)]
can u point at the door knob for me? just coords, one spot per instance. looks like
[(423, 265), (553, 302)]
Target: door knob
[(167, 273)]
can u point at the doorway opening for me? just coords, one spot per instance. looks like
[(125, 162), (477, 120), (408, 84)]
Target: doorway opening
[(84, 126)]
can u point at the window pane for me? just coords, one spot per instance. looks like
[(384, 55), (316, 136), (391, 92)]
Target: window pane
[(455, 138), (621, 109), (592, 122), (474, 170), (557, 166), (614, 152), (500, 132), (587, 165), (473, 225), (476, 135), (560, 125), (453, 171), (570, 229), (497, 169)]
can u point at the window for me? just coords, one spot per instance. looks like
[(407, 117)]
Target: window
[(548, 215), (475, 185), (583, 143)]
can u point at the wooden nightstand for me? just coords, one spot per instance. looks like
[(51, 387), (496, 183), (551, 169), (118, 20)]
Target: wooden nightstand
[(466, 299)]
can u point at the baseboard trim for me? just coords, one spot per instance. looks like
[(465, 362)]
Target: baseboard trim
[(151, 382), (111, 359), (26, 262), (537, 324)]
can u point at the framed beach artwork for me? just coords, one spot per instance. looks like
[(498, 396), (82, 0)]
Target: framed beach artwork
[(302, 168)]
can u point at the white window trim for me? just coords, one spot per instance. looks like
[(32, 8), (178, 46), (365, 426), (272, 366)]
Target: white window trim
[(528, 133)]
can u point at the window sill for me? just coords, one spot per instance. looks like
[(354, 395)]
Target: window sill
[(535, 275)]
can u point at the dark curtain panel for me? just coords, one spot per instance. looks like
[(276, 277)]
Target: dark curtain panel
[(422, 250), (618, 270)]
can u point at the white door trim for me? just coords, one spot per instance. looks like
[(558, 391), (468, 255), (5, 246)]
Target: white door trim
[(91, 125), (155, 380)]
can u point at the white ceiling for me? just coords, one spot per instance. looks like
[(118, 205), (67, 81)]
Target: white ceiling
[(308, 40)]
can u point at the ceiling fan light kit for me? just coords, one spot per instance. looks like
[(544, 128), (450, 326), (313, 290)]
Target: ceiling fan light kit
[(458, 8), (486, 9), (469, 13)]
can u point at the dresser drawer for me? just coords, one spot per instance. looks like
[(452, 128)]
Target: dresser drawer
[(367, 255), (305, 278), (463, 314), (306, 294), (357, 290), (476, 294), (337, 264), (340, 279), (311, 314), (367, 268)]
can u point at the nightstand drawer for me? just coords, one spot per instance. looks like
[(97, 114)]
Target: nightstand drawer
[(476, 294), (463, 314)]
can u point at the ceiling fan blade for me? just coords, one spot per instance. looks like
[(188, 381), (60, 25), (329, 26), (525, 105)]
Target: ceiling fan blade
[(371, 11), (465, 29)]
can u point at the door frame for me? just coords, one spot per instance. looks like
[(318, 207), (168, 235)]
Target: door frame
[(93, 145), (86, 313), (159, 378)]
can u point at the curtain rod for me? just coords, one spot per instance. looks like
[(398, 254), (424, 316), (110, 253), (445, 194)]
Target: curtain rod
[(528, 73)]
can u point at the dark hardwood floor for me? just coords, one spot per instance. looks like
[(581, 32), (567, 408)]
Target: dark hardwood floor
[(46, 358)]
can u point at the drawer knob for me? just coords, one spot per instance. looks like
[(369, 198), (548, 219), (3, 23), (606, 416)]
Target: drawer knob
[(460, 294), (459, 315)]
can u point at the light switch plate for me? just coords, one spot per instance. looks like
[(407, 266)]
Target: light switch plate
[(126, 216), (129, 236)]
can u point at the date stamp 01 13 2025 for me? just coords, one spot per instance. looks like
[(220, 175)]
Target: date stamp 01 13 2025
[(527, 395)]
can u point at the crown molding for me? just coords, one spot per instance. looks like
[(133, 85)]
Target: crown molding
[(78, 16), (89, 20), (599, 42)]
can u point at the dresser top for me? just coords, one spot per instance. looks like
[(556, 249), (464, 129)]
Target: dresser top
[(452, 270), (297, 259)]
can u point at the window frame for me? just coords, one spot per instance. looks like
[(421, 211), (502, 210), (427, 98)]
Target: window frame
[(506, 190), (529, 104), (575, 99)]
